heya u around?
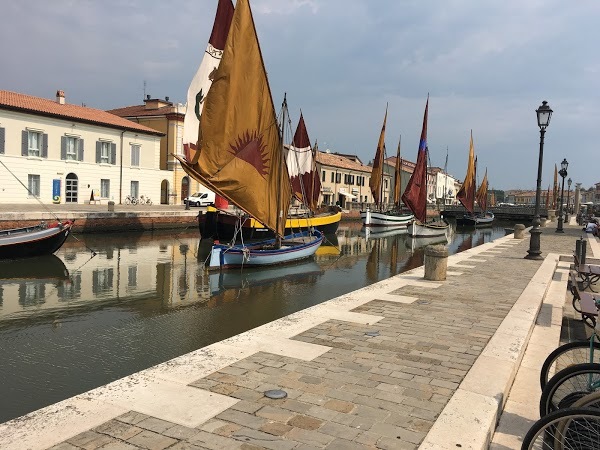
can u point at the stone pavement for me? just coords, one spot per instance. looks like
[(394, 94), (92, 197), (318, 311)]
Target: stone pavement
[(401, 364)]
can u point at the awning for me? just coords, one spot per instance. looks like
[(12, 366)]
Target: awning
[(348, 195)]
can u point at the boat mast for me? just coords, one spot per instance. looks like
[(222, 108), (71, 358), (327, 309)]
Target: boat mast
[(279, 213)]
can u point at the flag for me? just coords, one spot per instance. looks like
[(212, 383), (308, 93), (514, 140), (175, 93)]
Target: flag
[(241, 154), (466, 194), (301, 164), (377, 171), (415, 194), (202, 80)]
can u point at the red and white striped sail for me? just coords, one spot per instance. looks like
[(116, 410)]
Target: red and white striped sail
[(306, 185)]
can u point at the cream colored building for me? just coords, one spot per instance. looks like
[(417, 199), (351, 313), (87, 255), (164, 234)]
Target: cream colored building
[(166, 117), (345, 180), (67, 153)]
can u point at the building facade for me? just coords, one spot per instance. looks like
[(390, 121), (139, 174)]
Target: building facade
[(166, 117), (345, 180), (66, 153)]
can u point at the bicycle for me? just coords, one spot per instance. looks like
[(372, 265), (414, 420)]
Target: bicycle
[(145, 200), (569, 428), (129, 200), (568, 386)]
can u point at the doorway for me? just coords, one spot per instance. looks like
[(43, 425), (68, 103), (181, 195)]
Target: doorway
[(71, 188)]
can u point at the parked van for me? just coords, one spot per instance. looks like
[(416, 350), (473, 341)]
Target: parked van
[(200, 199)]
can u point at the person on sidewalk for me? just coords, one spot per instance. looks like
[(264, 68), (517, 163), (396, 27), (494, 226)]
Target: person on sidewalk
[(592, 227)]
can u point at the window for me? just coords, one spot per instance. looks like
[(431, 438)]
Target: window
[(35, 140), (135, 189), (104, 188), (135, 155), (1, 152), (385, 184), (338, 177), (332, 177), (71, 148), (2, 134), (33, 184), (102, 280), (105, 152)]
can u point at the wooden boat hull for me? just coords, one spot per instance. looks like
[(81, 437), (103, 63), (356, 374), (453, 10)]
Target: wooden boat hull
[(385, 219), (475, 221), (294, 247), (218, 224), (420, 242), (33, 241), (426, 230)]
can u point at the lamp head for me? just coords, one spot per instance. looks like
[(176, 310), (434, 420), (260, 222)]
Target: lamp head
[(543, 115), (569, 181), (564, 165)]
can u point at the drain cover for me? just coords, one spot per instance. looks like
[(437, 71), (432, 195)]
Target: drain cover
[(275, 394), (372, 333)]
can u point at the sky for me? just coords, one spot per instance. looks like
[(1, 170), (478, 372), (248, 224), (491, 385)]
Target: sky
[(486, 65)]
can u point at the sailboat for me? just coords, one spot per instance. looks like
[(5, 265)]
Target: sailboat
[(382, 218), (467, 195), (306, 186), (415, 195), (240, 152)]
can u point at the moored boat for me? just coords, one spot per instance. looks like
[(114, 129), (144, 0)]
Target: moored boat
[(415, 195), (241, 155), (219, 224), (292, 248), (37, 240), (380, 217)]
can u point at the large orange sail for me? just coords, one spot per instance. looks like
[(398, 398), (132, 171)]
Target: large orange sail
[(482, 193), (241, 154), (466, 194), (377, 172)]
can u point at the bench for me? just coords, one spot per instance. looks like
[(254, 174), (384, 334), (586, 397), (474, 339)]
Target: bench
[(589, 273), (583, 302)]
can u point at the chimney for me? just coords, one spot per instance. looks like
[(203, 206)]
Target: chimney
[(60, 97)]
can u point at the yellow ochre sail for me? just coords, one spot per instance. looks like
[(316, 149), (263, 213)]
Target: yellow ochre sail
[(241, 151)]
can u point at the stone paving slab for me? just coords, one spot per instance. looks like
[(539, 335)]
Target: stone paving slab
[(351, 382)]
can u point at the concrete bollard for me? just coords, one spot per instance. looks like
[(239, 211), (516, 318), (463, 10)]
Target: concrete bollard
[(111, 206), (436, 262), (519, 231), (542, 221)]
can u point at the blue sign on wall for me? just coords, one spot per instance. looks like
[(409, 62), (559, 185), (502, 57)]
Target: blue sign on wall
[(56, 190)]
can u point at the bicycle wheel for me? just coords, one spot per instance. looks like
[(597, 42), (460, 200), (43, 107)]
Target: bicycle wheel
[(567, 355), (568, 386), (569, 428), (134, 201), (127, 201)]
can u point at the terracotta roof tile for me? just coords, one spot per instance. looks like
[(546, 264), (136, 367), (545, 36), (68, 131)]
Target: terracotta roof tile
[(140, 110), (41, 106), (331, 159)]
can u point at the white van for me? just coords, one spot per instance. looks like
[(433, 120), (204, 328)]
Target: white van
[(200, 199)]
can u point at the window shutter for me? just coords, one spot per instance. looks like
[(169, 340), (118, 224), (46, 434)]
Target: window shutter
[(113, 153), (24, 143), (2, 134), (63, 147), (44, 145), (79, 149), (98, 151)]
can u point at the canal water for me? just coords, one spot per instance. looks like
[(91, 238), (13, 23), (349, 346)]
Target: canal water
[(72, 322)]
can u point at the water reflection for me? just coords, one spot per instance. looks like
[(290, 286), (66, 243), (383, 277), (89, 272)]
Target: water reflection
[(72, 322)]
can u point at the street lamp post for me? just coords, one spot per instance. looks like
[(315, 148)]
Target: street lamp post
[(563, 173), (569, 181), (543, 118)]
